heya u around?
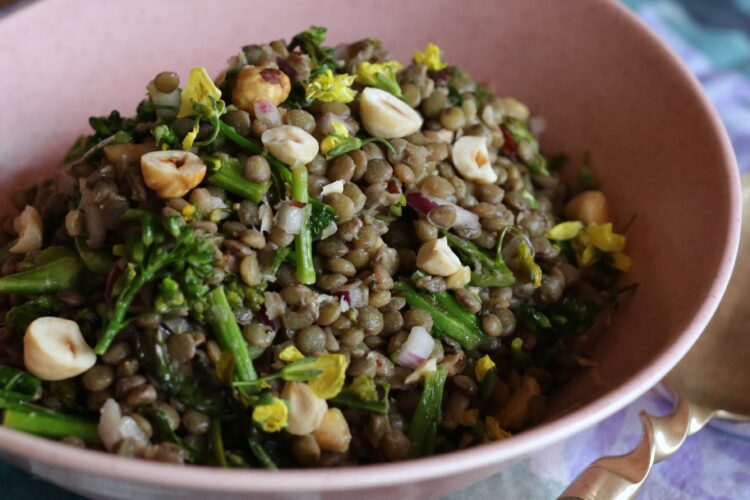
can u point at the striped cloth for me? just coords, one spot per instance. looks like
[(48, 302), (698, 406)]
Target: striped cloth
[(713, 38)]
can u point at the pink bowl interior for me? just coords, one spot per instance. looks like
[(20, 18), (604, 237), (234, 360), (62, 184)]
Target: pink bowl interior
[(602, 82)]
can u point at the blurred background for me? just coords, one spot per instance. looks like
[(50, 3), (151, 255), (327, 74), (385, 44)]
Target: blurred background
[(712, 37)]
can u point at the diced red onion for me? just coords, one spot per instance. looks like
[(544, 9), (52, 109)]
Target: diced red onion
[(353, 294), (509, 146), (418, 347), (425, 204), (289, 217), (267, 112)]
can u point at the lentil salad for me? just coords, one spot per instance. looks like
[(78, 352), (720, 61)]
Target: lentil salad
[(320, 258)]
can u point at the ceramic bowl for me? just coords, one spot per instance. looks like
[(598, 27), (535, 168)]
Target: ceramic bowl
[(603, 83)]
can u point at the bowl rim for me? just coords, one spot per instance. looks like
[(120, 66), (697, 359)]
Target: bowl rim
[(34, 448)]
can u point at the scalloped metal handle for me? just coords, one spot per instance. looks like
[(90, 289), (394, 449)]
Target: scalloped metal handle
[(621, 477)]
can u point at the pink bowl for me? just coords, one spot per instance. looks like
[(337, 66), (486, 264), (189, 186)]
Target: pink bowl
[(602, 81)]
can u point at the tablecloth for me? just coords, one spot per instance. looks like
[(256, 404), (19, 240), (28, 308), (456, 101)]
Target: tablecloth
[(713, 38)]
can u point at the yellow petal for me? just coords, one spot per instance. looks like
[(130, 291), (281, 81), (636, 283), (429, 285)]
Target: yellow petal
[(198, 89), (329, 383), (339, 128), (527, 259), (621, 262), (469, 417), (493, 429), (565, 230), (432, 57), (330, 142), (188, 212), (328, 87), (187, 142), (367, 72), (484, 364), (290, 354), (273, 417), (603, 238), (364, 387)]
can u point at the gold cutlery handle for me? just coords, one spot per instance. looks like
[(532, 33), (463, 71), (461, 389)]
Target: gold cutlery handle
[(621, 477)]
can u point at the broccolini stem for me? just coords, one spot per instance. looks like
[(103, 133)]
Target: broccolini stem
[(448, 303), (443, 324), (353, 401), (424, 424), (117, 322), (495, 272), (218, 443), (221, 319), (260, 454), (52, 277), (305, 269), (232, 179), (51, 424)]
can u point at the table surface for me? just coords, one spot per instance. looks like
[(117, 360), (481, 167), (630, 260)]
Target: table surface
[(713, 39)]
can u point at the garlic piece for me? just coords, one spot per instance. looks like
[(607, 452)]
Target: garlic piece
[(459, 279), (333, 434), (588, 207), (260, 84), (435, 257), (385, 115), (28, 225), (472, 160), (306, 410), (172, 174), (54, 349), (290, 144)]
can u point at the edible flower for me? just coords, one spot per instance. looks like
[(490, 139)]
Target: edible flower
[(598, 239), (565, 230), (328, 87), (364, 387), (469, 417), (188, 212), (493, 429), (532, 268), (199, 89), (330, 381), (380, 75), (484, 365), (189, 139), (432, 57), (290, 354), (339, 141), (273, 416)]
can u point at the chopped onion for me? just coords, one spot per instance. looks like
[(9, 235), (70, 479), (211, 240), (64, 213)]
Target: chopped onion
[(274, 305), (353, 294), (423, 369), (425, 204), (113, 427), (267, 112), (418, 347), (266, 217), (289, 217), (172, 100), (333, 187)]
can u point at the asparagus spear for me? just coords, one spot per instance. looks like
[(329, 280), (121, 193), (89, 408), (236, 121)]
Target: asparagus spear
[(221, 319), (350, 400), (424, 424), (305, 269), (443, 324), (42, 422)]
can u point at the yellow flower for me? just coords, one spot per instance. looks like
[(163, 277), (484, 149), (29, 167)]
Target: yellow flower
[(364, 387), (328, 87), (484, 364), (273, 417), (367, 73), (565, 230), (199, 89), (469, 417), (432, 57), (621, 262), (603, 238), (188, 212), (335, 139), (493, 429), (187, 142), (329, 383), (290, 354), (527, 259)]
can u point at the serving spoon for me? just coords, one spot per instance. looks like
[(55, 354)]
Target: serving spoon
[(711, 381)]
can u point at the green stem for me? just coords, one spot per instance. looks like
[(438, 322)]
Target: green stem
[(448, 303), (117, 322), (499, 274), (260, 453), (305, 269), (221, 319), (232, 179), (218, 443), (51, 424), (353, 401), (443, 324), (21, 382), (424, 424), (95, 261), (52, 277)]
